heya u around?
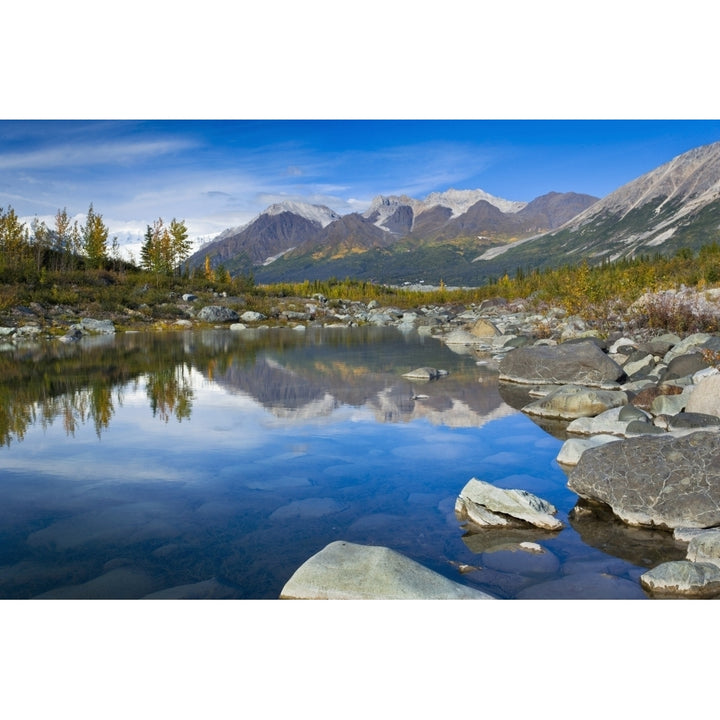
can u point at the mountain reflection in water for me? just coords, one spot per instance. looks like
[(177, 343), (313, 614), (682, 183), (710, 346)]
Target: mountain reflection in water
[(213, 463)]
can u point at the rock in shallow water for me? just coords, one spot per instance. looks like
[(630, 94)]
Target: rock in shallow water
[(655, 480), (346, 571), (568, 363), (683, 577), (484, 504)]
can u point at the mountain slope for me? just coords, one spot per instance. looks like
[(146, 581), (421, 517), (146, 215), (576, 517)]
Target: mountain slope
[(396, 238), (676, 205)]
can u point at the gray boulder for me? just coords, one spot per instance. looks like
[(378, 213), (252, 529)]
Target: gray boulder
[(423, 373), (346, 571), (705, 547), (251, 316), (573, 401), (217, 314), (582, 363), (485, 505), (102, 327), (683, 577), (684, 365), (705, 396), (657, 480), (573, 448)]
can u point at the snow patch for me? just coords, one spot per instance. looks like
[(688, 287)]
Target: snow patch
[(315, 213)]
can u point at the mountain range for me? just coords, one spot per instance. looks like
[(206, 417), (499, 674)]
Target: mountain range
[(469, 236)]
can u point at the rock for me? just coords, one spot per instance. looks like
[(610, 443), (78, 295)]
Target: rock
[(639, 367), (346, 571), (206, 590), (236, 327), (668, 404), (629, 412), (189, 297), (460, 337), (573, 401), (494, 539), (484, 505), (684, 365), (251, 316), (580, 363), (642, 427), (217, 314), (644, 398), (705, 396), (692, 420), (484, 329), (573, 448), (585, 586), (423, 373), (705, 547), (660, 480), (72, 335), (692, 343), (102, 327), (683, 577)]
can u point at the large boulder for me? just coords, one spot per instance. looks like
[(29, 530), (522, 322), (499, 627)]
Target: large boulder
[(574, 401), (657, 480), (102, 327), (217, 314), (582, 363), (705, 396), (683, 577), (346, 571), (485, 505)]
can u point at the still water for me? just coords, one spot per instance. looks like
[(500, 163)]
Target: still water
[(212, 464)]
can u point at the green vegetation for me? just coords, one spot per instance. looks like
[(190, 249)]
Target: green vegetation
[(71, 269)]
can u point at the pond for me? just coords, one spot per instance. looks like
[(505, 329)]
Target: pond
[(212, 464)]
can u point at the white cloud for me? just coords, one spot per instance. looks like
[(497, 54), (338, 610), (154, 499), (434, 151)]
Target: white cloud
[(80, 155)]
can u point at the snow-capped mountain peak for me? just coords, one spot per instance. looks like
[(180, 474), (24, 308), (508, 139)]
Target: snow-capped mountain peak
[(315, 213)]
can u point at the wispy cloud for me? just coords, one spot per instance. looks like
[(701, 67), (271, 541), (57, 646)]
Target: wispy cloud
[(86, 155)]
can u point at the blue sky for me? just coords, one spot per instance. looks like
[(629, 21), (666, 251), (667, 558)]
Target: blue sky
[(219, 174)]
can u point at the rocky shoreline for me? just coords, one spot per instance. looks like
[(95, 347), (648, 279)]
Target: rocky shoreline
[(639, 411)]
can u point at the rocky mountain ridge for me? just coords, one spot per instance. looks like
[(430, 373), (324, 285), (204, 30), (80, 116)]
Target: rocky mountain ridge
[(311, 241), (674, 206)]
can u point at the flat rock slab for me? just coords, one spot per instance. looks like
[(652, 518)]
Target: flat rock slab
[(582, 363), (346, 571), (569, 402), (484, 504), (654, 480), (423, 373)]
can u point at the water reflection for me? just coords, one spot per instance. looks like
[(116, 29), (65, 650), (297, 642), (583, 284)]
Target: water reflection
[(292, 376), (212, 464)]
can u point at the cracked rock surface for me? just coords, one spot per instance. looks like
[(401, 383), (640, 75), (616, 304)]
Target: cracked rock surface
[(655, 480)]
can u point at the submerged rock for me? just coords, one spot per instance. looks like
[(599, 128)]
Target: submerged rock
[(346, 571), (485, 505)]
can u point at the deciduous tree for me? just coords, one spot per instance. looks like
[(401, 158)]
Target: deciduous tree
[(95, 235)]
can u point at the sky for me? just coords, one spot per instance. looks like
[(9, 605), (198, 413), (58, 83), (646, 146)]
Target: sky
[(217, 174)]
